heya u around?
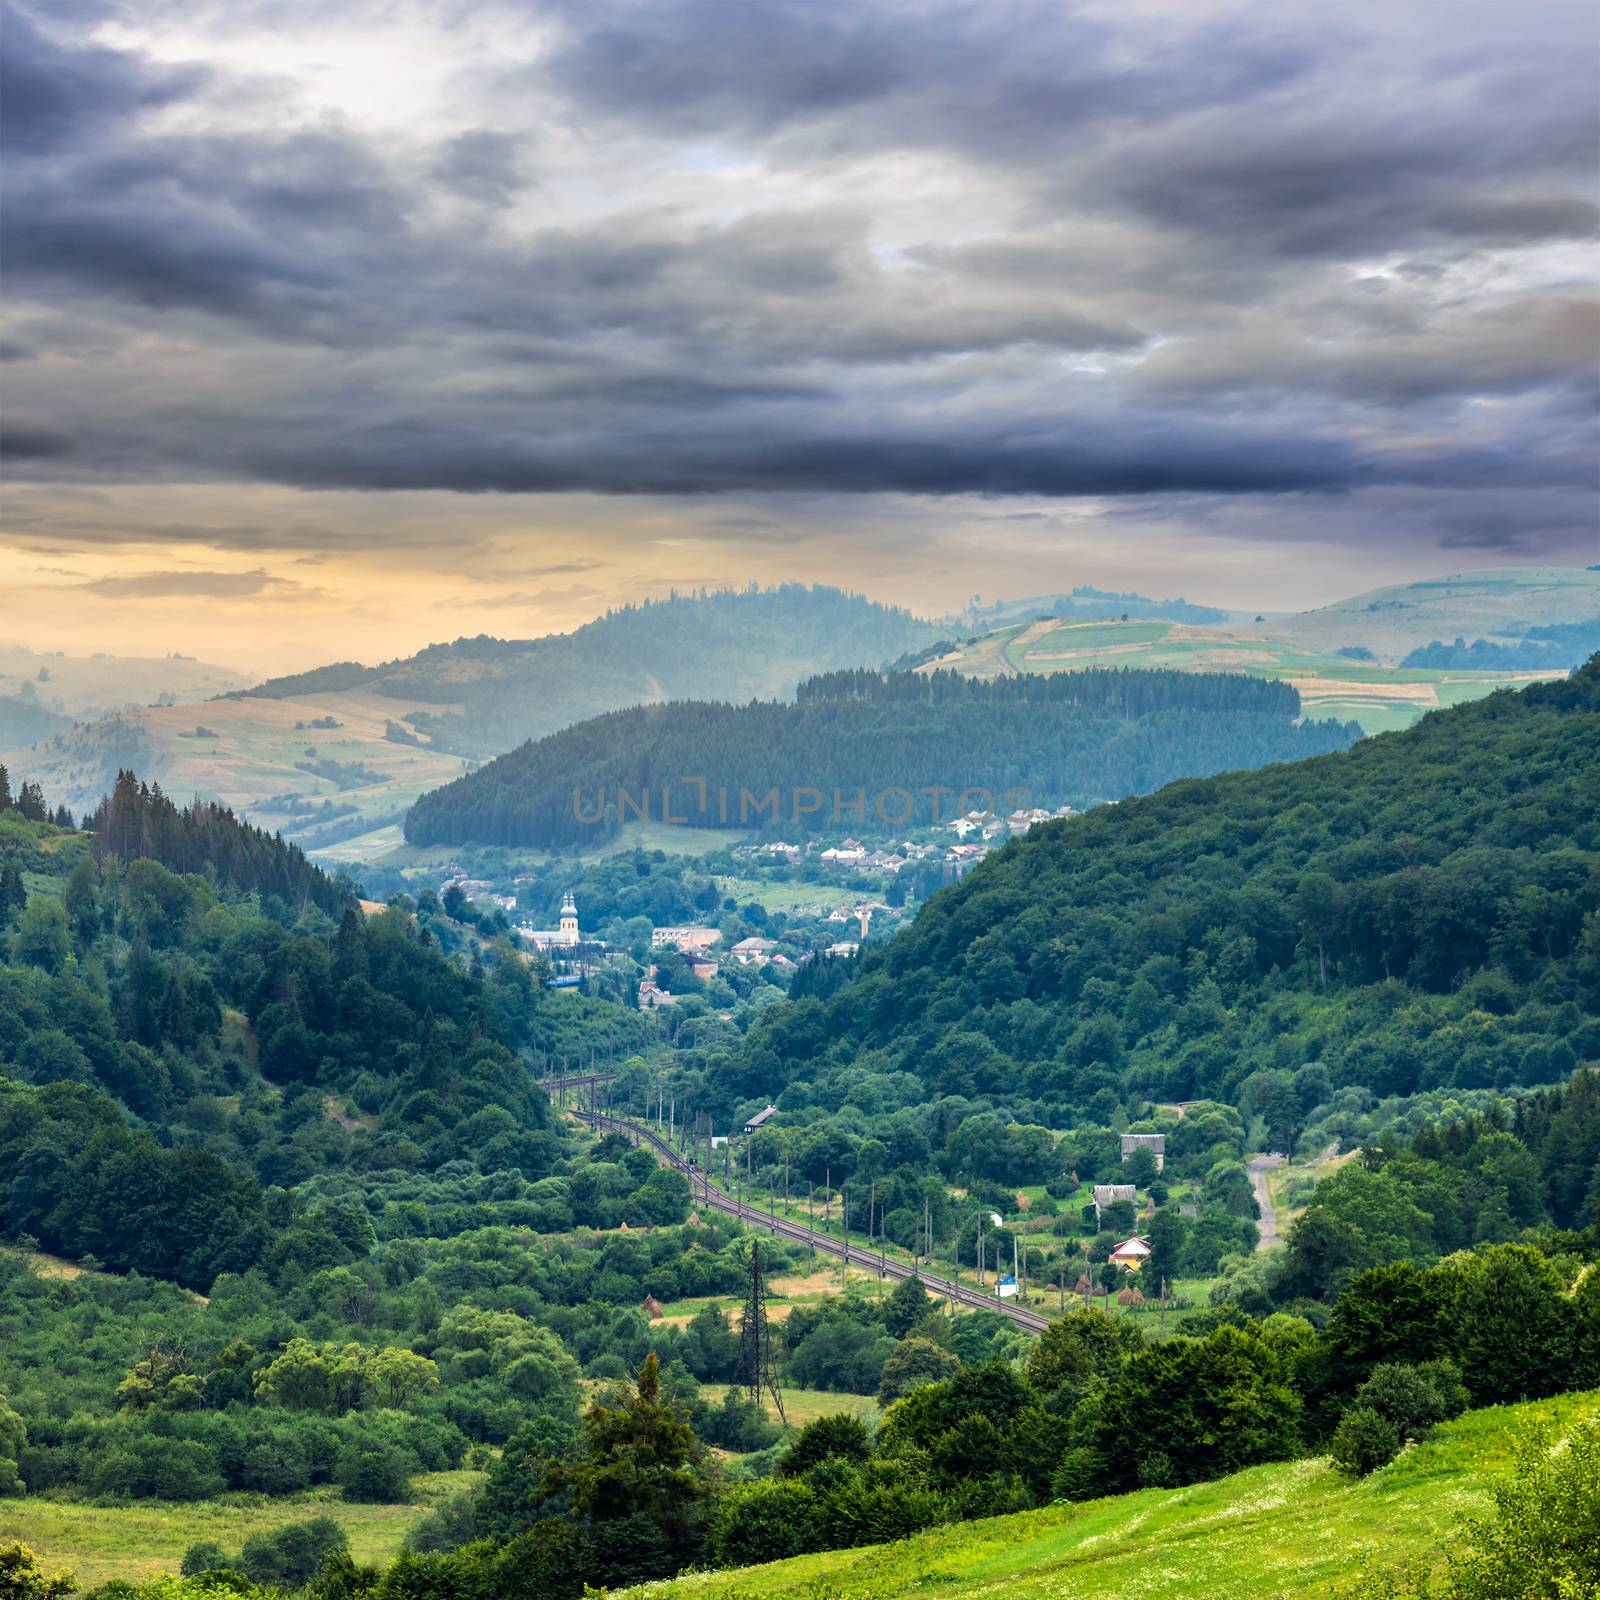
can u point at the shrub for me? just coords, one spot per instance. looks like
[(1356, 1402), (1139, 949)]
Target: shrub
[(1413, 1399), (1078, 1477), (373, 1473), (765, 1522), (292, 1555), (839, 1435), (206, 1556), (1363, 1442)]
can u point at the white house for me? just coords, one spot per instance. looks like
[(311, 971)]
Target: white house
[(685, 939)]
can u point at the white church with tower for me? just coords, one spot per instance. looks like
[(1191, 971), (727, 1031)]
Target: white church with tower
[(566, 934)]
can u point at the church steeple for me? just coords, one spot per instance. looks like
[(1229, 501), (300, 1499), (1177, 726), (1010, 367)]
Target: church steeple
[(569, 919)]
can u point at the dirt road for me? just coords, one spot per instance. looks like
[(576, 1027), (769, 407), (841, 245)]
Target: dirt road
[(1258, 1167)]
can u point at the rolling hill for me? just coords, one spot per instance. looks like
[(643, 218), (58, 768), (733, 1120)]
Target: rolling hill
[(340, 751), (1346, 659), (1499, 605), (1071, 739), (1296, 1527), (1407, 914), (83, 687), (1379, 698)]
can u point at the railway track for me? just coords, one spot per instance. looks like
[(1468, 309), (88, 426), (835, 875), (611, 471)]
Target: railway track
[(782, 1227)]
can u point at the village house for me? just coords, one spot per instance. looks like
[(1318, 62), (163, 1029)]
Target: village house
[(1155, 1143), (652, 997), (849, 854), (1110, 1194), (703, 967), (844, 947), (1131, 1254), (753, 952), (1021, 820), (685, 939)]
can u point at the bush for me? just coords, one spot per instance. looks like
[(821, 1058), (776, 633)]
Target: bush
[(292, 1555), (373, 1473), (206, 1556), (840, 1435), (914, 1362), (1363, 1442), (1078, 1477), (765, 1522), (142, 1466), (1413, 1399)]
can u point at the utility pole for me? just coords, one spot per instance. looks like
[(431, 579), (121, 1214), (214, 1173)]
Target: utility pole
[(980, 1252), (755, 1339)]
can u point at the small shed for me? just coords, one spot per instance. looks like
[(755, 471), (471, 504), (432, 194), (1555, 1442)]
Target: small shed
[(760, 1119)]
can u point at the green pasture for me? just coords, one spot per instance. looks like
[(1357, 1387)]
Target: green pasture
[(1294, 1528)]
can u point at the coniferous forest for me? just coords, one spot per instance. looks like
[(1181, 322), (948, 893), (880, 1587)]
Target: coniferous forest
[(1066, 739)]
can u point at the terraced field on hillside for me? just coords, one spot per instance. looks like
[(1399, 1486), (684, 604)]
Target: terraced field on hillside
[(1378, 698)]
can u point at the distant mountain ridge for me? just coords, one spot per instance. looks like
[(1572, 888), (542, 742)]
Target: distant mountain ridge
[(342, 750), (744, 643), (1087, 604)]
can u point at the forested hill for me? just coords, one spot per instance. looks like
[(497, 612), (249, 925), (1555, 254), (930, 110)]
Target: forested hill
[(1416, 912), (749, 642), (1069, 739), (137, 820)]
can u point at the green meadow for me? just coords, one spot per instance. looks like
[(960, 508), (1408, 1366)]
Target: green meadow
[(99, 1542), (1294, 1528)]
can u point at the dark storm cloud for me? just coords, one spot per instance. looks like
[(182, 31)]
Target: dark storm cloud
[(20, 442), (54, 95), (483, 165), (685, 248), (1005, 82)]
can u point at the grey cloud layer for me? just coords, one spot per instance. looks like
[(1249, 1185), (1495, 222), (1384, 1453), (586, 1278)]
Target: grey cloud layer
[(936, 248)]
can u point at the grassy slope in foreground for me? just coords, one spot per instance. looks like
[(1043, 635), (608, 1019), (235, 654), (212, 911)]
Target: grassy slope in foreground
[(1297, 1527)]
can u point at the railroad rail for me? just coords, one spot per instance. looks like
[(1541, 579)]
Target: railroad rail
[(799, 1232)]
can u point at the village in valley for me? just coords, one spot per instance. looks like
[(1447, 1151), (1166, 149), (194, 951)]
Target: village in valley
[(815, 898)]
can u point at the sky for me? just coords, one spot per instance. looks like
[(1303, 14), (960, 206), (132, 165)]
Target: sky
[(331, 329)]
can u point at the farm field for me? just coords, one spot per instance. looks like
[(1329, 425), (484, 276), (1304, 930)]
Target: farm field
[(1296, 1527), (386, 846), (1498, 604), (99, 1542), (257, 755), (1379, 698)]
